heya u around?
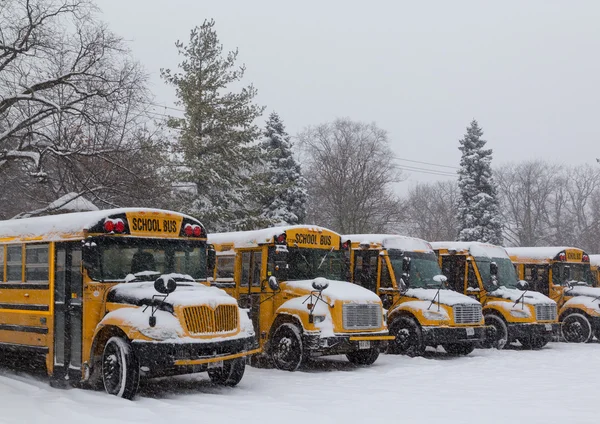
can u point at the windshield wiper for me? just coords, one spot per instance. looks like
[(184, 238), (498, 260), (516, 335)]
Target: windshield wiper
[(325, 257), (522, 297), (302, 254), (437, 294)]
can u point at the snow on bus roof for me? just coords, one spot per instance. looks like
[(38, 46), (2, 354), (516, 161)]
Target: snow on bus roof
[(391, 241), (474, 247), (53, 227), (595, 260), (537, 253), (256, 237)]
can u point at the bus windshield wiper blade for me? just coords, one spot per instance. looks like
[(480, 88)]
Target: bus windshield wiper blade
[(325, 257)]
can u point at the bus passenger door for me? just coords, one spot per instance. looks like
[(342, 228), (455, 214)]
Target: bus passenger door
[(365, 269), (68, 311), (250, 285)]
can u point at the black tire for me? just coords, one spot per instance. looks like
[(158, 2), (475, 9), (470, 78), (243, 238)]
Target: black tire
[(287, 352), (500, 339), (120, 368), (459, 349), (576, 328), (597, 333), (230, 374), (408, 337), (363, 357)]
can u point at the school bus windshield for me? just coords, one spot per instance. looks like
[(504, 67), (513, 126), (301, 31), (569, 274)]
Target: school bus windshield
[(423, 267), (120, 257), (506, 277), (562, 273), (306, 264)]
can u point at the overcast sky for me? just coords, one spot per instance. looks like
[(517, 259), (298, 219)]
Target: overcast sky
[(528, 71)]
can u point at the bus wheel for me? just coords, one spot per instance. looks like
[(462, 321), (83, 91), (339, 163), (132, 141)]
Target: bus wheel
[(459, 349), (408, 338), (286, 347), (363, 357), (500, 335), (576, 328), (230, 374), (120, 369)]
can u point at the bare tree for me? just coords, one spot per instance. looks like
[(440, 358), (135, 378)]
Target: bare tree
[(60, 72), (525, 191), (431, 211), (350, 171), (72, 110)]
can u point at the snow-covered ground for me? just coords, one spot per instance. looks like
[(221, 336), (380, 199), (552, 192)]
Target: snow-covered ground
[(556, 384)]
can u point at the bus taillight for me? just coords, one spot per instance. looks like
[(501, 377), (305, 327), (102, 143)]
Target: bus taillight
[(280, 239), (197, 231), (585, 258), (188, 230), (562, 256), (119, 226), (109, 226)]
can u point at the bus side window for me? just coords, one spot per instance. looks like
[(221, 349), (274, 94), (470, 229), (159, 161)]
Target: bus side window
[(14, 263), (472, 282), (453, 267), (1, 264), (225, 266), (365, 270), (386, 279), (256, 268), (245, 281), (36, 263)]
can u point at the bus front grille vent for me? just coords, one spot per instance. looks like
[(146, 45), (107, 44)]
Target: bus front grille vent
[(467, 314), (545, 312), (361, 316), (204, 320)]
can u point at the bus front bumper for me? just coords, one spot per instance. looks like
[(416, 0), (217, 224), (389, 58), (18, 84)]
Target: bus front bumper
[(434, 336), (548, 330), (341, 344), (165, 358)]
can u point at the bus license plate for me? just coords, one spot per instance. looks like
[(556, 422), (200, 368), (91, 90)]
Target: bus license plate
[(213, 365), (470, 331), (364, 344), (548, 327)]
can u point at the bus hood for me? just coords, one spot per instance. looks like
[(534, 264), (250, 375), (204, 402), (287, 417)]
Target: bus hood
[(337, 290), (530, 298), (583, 291), (446, 297), (186, 294)]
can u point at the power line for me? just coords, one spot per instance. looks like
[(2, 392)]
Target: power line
[(426, 163), (426, 171)]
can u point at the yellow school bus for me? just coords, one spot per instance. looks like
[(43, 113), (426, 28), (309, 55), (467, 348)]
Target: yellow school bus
[(422, 311), (564, 274), (107, 297), (290, 279), (485, 272)]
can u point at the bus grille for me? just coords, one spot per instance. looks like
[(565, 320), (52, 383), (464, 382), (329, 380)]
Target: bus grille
[(205, 320), (467, 314), (545, 312), (361, 316)]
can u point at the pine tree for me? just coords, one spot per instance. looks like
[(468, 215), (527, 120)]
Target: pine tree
[(283, 196), (478, 211), (217, 138)]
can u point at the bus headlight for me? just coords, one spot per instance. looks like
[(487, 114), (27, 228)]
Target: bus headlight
[(520, 313), (159, 333), (435, 316), (318, 318)]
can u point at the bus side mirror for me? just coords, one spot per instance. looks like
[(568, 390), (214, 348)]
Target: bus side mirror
[(165, 285), (493, 268), (90, 255), (523, 285), (404, 282), (442, 279), (406, 264), (211, 260), (273, 283)]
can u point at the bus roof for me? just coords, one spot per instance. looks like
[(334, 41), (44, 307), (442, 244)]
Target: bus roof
[(537, 253), (254, 238), (475, 248), (63, 226), (595, 260), (391, 241)]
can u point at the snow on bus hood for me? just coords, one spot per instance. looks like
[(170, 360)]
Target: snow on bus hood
[(531, 297), (583, 291), (186, 294), (446, 297), (337, 290)]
